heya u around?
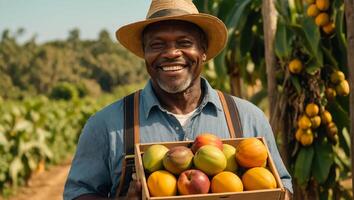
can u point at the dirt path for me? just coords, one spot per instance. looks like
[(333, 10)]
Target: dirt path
[(47, 185)]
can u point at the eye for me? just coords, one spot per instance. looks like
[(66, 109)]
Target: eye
[(185, 43), (156, 45)]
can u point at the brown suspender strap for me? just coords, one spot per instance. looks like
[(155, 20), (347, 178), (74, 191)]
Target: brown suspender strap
[(131, 136), (231, 115)]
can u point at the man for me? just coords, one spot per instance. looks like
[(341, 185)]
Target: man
[(176, 104)]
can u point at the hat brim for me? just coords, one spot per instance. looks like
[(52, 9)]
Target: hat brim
[(130, 35)]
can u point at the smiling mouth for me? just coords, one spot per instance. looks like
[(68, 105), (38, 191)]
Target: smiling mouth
[(172, 68)]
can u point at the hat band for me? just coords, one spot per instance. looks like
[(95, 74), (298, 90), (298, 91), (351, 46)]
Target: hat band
[(168, 13)]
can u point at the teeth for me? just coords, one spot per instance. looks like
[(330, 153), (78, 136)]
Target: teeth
[(172, 68)]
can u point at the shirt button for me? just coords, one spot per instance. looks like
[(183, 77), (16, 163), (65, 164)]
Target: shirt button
[(177, 128)]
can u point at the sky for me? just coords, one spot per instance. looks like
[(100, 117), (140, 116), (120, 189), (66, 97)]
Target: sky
[(53, 19)]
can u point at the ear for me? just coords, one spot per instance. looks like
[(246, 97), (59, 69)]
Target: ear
[(204, 57)]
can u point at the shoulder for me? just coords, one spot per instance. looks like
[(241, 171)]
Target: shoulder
[(254, 121), (109, 111), (247, 108)]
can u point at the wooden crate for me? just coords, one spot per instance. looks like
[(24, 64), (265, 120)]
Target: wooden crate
[(267, 194)]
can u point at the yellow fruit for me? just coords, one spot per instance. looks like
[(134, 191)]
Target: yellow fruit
[(226, 182), (337, 77), (258, 178), (251, 152), (230, 155), (331, 129), (312, 109), (342, 88), (162, 183), (304, 122), (295, 66), (315, 121), (322, 19), (307, 138), (153, 156), (330, 94), (329, 28), (322, 4), (298, 134), (312, 10), (326, 117), (310, 1)]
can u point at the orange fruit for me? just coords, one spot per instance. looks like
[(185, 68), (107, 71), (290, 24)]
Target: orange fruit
[(251, 152), (322, 19), (298, 134), (226, 182), (162, 183), (342, 88), (295, 66), (329, 28), (337, 76), (315, 121), (304, 122), (330, 94), (312, 10), (312, 109), (322, 4), (307, 138), (326, 117), (331, 129), (258, 178)]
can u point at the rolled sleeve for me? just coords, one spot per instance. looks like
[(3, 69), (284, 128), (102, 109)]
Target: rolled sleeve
[(89, 173), (267, 132)]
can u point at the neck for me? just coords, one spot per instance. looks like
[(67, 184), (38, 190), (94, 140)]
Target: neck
[(181, 102)]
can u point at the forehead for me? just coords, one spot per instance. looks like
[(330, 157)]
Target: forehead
[(172, 26)]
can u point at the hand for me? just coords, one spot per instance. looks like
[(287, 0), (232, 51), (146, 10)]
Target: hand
[(288, 195), (134, 191)]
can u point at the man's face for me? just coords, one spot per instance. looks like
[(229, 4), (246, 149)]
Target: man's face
[(173, 55)]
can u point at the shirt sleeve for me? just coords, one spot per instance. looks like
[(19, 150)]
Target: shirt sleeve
[(89, 173), (264, 129)]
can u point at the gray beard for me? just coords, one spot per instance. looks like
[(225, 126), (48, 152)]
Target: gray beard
[(176, 89)]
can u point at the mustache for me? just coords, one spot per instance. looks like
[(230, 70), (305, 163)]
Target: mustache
[(173, 60)]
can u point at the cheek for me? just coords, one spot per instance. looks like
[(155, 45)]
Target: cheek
[(149, 59)]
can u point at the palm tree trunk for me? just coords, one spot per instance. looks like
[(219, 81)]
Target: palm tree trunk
[(349, 13), (269, 28)]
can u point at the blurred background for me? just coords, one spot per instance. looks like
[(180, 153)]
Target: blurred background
[(60, 63)]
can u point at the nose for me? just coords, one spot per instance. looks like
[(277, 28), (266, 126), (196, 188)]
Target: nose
[(172, 52)]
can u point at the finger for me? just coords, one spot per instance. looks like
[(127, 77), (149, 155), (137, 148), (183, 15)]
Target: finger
[(138, 186)]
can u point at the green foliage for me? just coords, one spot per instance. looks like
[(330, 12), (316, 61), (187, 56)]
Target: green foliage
[(303, 165), (243, 54), (29, 68), (65, 91), (39, 129)]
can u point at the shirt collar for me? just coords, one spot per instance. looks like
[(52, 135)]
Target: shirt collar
[(150, 100)]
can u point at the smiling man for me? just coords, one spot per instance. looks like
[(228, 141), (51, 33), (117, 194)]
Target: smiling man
[(176, 104)]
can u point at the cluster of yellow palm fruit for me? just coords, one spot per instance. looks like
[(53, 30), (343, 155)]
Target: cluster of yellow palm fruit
[(317, 9), (310, 121), (338, 85)]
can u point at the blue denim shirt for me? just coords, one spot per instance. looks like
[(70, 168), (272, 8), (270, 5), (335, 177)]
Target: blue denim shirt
[(96, 167)]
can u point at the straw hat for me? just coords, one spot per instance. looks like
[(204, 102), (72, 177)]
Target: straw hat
[(130, 35)]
